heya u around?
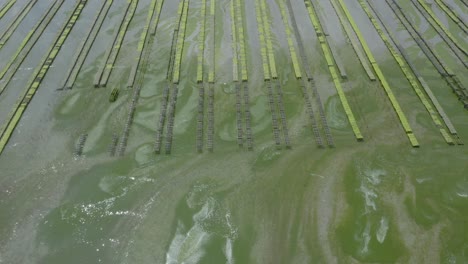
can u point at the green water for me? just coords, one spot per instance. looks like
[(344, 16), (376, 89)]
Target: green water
[(377, 201)]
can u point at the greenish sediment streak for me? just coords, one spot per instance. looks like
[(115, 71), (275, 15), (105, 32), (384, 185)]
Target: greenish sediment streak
[(414, 70), (15, 23), (241, 39), (235, 66), (201, 43), (455, 18), (435, 22), (261, 35), (211, 72), (6, 7), (292, 49), (109, 66), (38, 75), (354, 42), (86, 45), (396, 106), (31, 38), (332, 68), (408, 74), (180, 42), (153, 13), (269, 39)]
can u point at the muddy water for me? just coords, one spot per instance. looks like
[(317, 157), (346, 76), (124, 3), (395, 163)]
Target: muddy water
[(376, 201)]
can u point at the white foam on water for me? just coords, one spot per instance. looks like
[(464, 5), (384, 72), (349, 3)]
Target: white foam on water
[(421, 180), (462, 189), (232, 228), (205, 212), (366, 237), (188, 248), (370, 180), (374, 176), (212, 219), (369, 196), (317, 175), (104, 207), (174, 248), (230, 239), (228, 251), (382, 231), (119, 213)]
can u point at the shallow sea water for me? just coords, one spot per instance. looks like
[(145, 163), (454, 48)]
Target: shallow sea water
[(377, 201)]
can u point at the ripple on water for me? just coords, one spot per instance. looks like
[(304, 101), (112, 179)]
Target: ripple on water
[(69, 104), (457, 193)]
